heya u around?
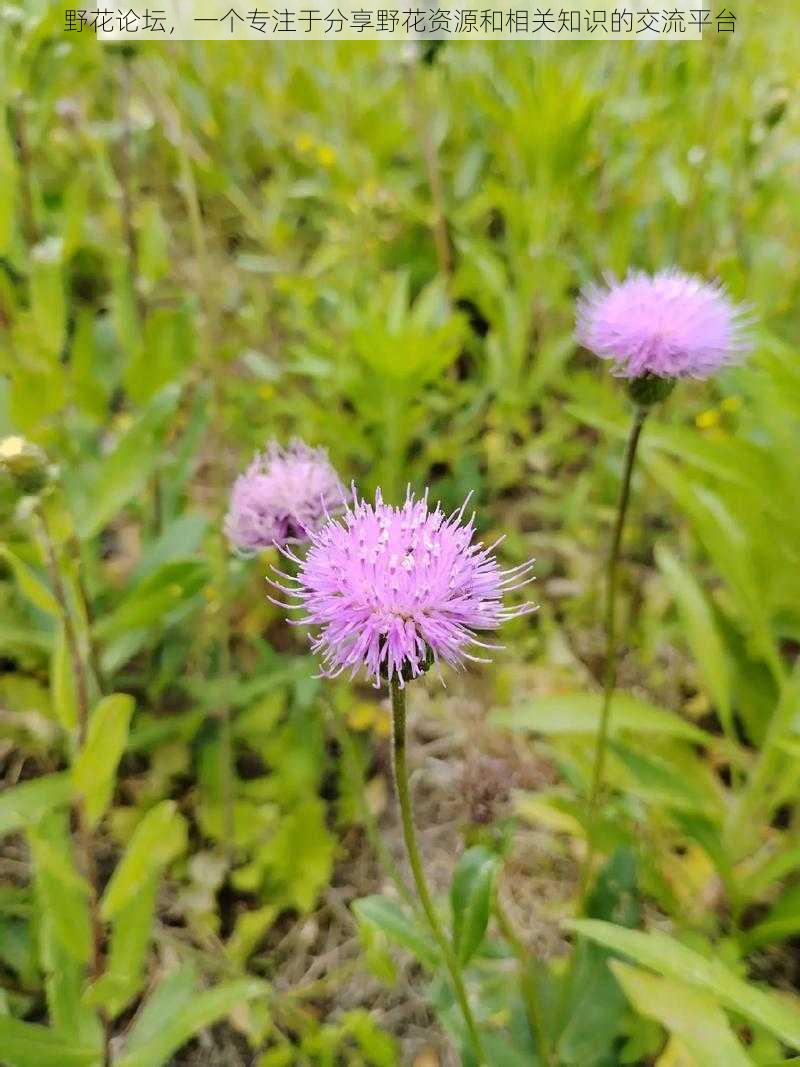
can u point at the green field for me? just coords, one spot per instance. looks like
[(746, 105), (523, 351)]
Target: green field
[(204, 246)]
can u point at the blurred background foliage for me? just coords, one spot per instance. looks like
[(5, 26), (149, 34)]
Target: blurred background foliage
[(203, 246)]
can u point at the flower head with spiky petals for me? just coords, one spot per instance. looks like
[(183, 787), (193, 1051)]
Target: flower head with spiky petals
[(283, 496), (394, 590), (668, 325)]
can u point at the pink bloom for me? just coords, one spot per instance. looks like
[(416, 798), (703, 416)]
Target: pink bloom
[(283, 495), (395, 589), (670, 325)]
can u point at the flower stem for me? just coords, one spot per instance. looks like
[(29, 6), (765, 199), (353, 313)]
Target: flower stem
[(415, 861), (530, 994), (355, 773), (610, 667)]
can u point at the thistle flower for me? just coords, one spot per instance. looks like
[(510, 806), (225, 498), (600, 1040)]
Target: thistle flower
[(397, 589), (666, 325), (283, 496)]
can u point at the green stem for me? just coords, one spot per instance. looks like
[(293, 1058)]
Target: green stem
[(67, 621), (441, 237), (27, 198), (354, 771), (126, 181), (610, 669), (415, 861), (224, 666), (85, 603), (530, 994)]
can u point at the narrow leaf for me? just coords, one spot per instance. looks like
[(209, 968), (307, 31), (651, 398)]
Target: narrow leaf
[(27, 803), (203, 1010), (130, 937), (701, 632), (124, 471), (95, 768), (692, 1016), (62, 682), (30, 584), (670, 958), (471, 899), (62, 894), (30, 1045), (386, 916), (579, 713), (170, 996), (158, 839)]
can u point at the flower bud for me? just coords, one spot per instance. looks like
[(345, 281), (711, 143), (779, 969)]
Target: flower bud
[(25, 464), (649, 389)]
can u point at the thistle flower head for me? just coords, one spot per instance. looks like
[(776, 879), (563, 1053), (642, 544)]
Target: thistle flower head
[(396, 589), (669, 325), (283, 496)]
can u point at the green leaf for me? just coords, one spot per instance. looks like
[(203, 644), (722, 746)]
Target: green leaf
[(594, 1012), (95, 768), (17, 949), (62, 682), (379, 1047), (729, 543), (166, 348), (471, 899), (62, 893), (385, 915), (123, 473), (156, 841), (671, 959), (27, 803), (782, 921), (64, 930), (692, 1016), (170, 996), (680, 781), (154, 598), (579, 713), (30, 585), (154, 241), (130, 937), (48, 305), (30, 1045), (701, 632), (8, 189), (203, 1010), (248, 930), (710, 837), (614, 896), (299, 857), (16, 639), (772, 869), (90, 387), (179, 540)]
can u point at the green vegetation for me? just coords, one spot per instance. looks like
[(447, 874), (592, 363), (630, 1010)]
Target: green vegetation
[(204, 246)]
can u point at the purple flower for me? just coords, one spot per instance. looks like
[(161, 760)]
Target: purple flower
[(284, 495), (396, 589), (670, 325)]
